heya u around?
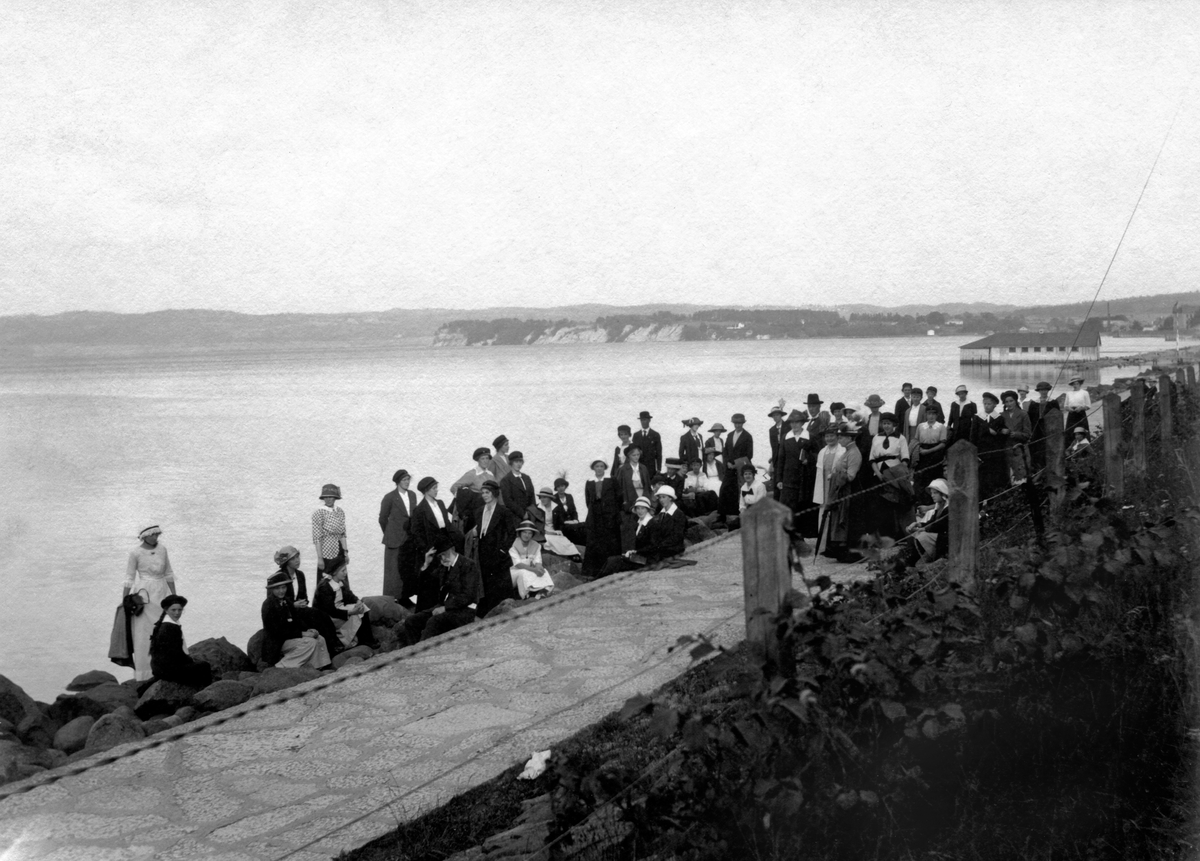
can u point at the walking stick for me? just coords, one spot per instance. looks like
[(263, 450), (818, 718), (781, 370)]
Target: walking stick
[(821, 530)]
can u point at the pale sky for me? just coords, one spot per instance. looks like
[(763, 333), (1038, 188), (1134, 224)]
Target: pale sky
[(362, 155)]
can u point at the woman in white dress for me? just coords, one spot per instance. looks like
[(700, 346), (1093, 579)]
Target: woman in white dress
[(147, 571), (1076, 402), (529, 576)]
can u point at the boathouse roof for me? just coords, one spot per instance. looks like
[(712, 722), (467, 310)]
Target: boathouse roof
[(1088, 338)]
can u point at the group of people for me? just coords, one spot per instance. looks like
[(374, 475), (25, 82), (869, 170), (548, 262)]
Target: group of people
[(845, 472)]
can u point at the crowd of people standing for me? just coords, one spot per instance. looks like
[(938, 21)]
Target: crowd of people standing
[(846, 472)]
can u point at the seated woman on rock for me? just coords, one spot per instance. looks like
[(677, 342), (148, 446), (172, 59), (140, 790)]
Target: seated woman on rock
[(286, 642), (529, 576), (699, 495), (169, 659), (349, 614), (549, 519), (929, 536), (645, 540), (288, 560)]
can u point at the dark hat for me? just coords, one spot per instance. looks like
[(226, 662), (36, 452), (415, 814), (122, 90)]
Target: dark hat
[(516, 455), (797, 416), (493, 486), (598, 461), (545, 491), (717, 428), (442, 542), (739, 419), (814, 398), (830, 429), (561, 482), (988, 396), (399, 476), (173, 599), (696, 459), (1043, 386), (743, 463), (837, 405), (873, 401), (499, 441), (710, 449), (622, 428), (425, 483), (331, 490), (777, 410), (1009, 393), (887, 417), (279, 578), (848, 429), (633, 446), (480, 452), (674, 461), (644, 414)]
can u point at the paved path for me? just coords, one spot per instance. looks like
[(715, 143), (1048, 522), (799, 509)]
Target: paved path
[(333, 766)]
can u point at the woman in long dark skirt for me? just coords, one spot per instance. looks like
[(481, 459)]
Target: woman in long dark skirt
[(989, 439), (603, 521)]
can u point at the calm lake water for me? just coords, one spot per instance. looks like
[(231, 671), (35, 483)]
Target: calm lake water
[(227, 452)]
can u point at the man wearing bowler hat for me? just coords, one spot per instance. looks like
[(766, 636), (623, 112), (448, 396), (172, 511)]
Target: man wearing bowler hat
[(1038, 409), (457, 590), (812, 437), (395, 514), (650, 442)]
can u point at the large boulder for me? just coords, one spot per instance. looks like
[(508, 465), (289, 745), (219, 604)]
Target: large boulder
[(67, 707), (164, 698), (504, 608), (92, 678), (224, 694), (254, 649), (698, 531), (37, 730), (555, 564), (222, 656), (566, 578), (112, 695), (112, 730), (339, 660), (18, 760), (73, 735), (384, 608), (387, 636), (155, 725), (277, 678), (14, 702)]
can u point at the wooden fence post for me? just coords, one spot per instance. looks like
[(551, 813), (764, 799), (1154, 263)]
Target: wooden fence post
[(1137, 434), (962, 468), (1114, 461), (766, 573), (1191, 375), (1055, 429), (1181, 377), (1164, 414)]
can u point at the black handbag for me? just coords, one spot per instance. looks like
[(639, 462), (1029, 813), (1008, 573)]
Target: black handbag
[(134, 604)]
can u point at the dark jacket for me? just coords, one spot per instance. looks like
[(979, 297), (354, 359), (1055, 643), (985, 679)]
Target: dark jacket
[(602, 501), (652, 449), (394, 517), (690, 447), (625, 484), (425, 527), (458, 587), (984, 440), (516, 492), (279, 624), (775, 434), (325, 598), (168, 660), (959, 425), (901, 413), (788, 468), (816, 433), (567, 504), (670, 532), (742, 447), (494, 543)]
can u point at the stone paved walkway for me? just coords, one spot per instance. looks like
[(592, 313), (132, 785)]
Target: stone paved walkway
[(333, 766)]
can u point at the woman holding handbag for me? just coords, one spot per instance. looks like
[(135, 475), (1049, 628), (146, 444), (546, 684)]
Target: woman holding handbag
[(147, 572)]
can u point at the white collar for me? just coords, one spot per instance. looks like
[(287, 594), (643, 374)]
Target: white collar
[(172, 621)]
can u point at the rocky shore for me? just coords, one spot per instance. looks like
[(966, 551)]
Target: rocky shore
[(98, 712)]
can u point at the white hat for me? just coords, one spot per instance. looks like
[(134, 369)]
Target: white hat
[(665, 490), (939, 484), (644, 503)]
